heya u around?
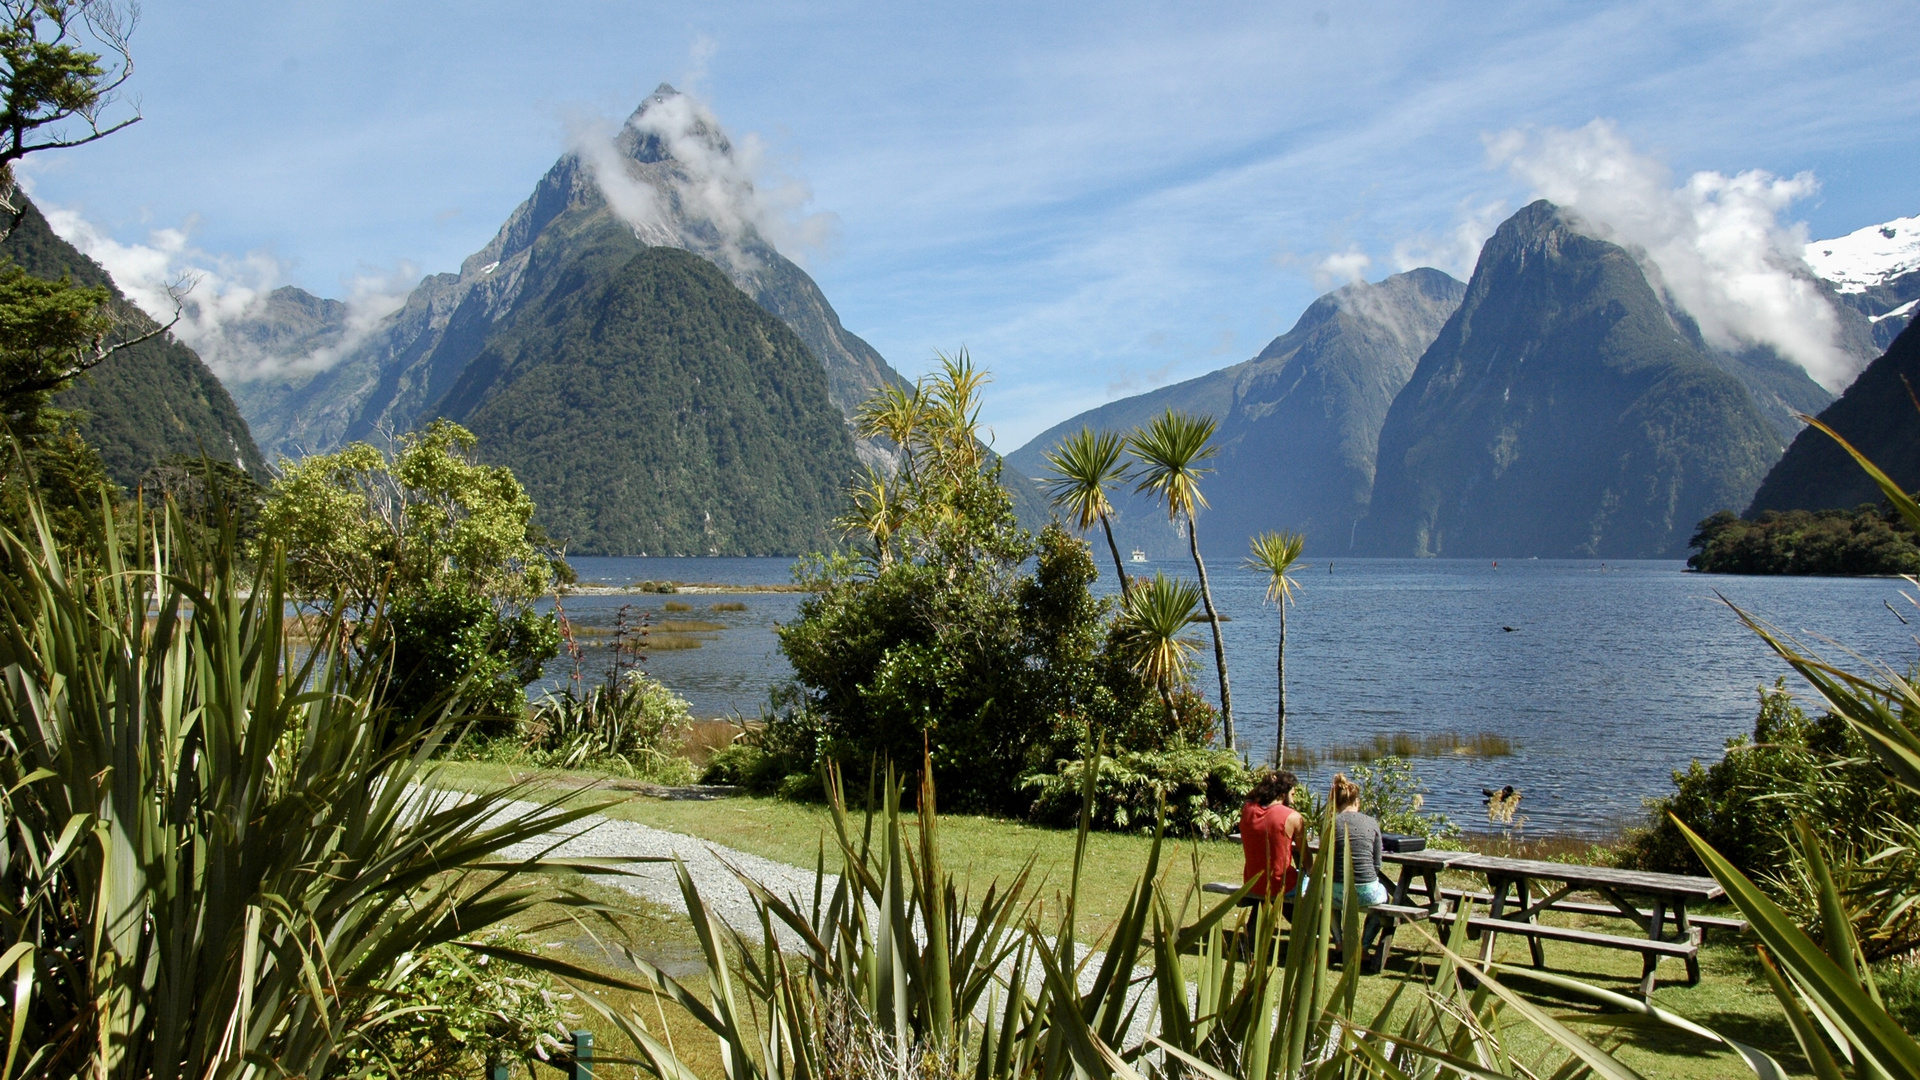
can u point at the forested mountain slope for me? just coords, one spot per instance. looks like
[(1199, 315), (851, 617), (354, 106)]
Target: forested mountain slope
[(148, 402), (1562, 412), (1877, 414)]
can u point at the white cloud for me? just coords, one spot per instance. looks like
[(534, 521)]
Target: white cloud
[(732, 185), (1458, 249), (1718, 246), (223, 293), (1341, 268)]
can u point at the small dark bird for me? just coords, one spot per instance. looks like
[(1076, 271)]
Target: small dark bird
[(1503, 794), (1511, 629)]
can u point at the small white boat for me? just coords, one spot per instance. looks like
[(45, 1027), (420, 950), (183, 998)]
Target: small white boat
[(1139, 556)]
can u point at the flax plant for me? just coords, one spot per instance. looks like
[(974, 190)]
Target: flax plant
[(215, 851)]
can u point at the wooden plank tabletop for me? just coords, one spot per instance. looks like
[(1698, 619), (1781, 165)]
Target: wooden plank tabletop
[(1633, 881)]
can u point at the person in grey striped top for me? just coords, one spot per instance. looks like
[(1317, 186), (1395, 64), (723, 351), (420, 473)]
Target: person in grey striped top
[(1350, 826)]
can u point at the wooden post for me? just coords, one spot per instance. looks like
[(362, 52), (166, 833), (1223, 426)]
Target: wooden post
[(582, 1056)]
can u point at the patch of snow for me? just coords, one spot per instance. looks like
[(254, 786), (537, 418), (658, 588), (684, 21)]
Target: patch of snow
[(1903, 309), (1867, 257), (490, 267)]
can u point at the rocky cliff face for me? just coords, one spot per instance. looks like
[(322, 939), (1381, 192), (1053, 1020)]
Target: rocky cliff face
[(1298, 423), (1562, 412)]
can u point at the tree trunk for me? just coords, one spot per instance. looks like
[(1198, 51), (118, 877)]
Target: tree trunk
[(1126, 584), (1280, 731), (1219, 648), (1166, 701)]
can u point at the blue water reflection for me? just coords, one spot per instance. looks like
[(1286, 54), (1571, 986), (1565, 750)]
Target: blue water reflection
[(1612, 675)]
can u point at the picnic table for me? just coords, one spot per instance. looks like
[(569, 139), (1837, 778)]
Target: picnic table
[(1519, 890), (1514, 905)]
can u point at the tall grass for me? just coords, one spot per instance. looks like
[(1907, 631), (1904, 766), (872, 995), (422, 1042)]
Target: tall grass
[(217, 854)]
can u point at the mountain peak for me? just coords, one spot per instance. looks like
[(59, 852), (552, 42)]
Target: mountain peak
[(670, 126)]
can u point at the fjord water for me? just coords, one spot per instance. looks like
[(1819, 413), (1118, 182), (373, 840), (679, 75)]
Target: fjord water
[(1613, 674)]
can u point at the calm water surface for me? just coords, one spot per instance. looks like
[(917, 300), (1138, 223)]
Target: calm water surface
[(1612, 676)]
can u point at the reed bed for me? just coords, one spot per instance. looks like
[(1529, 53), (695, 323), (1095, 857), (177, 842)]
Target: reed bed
[(1403, 744), (687, 626), (676, 605), (731, 605)]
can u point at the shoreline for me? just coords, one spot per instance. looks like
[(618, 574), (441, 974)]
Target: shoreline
[(672, 588)]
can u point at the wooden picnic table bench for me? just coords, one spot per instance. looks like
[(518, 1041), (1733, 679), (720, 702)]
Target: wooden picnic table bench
[(1668, 895), (1667, 928), (1702, 923)]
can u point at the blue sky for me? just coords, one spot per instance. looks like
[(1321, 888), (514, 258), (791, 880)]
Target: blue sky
[(1094, 199)]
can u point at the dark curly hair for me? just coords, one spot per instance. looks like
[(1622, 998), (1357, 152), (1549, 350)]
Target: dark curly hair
[(1274, 785)]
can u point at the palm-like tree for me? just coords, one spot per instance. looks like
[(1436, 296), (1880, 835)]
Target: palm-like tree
[(1169, 450), (1153, 620), (1278, 554), (1083, 466), (898, 414), (878, 512)]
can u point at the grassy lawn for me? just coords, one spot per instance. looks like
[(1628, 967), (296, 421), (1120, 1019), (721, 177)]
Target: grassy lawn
[(1729, 997)]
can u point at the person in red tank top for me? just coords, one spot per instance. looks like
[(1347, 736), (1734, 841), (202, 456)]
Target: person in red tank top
[(1271, 832)]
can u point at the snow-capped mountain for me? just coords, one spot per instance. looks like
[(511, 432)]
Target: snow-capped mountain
[(1875, 270), (1868, 257)]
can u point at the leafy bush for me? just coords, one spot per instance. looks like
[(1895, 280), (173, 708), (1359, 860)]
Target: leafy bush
[(449, 640), (776, 756), (1203, 789), (628, 724), (450, 1012), (1796, 766), (1744, 804), (955, 629)]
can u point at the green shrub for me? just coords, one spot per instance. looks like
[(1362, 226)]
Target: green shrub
[(745, 765), (1203, 789), (1744, 804), (629, 724), (452, 1012), (1796, 766), (778, 756), (449, 639), (1394, 794)]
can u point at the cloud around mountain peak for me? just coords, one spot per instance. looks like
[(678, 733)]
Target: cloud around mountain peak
[(671, 163), (1718, 247)]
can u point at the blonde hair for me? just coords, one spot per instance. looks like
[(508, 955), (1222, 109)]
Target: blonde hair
[(1345, 792)]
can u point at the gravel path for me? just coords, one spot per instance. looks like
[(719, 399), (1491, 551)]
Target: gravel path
[(598, 836)]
